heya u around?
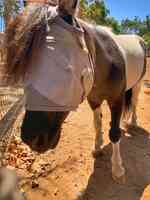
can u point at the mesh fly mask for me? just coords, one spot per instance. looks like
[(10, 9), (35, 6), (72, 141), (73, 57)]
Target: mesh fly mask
[(61, 75)]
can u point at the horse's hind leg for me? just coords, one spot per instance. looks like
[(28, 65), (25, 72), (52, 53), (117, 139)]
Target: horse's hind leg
[(118, 171), (135, 96), (97, 117)]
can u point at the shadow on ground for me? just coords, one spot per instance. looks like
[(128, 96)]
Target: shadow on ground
[(135, 150)]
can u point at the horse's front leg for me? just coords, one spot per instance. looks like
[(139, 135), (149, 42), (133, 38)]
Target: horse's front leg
[(97, 114), (97, 119), (118, 171)]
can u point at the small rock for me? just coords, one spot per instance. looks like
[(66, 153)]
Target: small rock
[(56, 191), (35, 184)]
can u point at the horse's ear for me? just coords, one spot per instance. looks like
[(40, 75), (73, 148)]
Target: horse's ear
[(70, 6)]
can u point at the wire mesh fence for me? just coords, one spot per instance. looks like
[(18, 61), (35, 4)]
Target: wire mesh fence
[(9, 107)]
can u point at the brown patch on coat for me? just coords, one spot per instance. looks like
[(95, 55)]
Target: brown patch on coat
[(110, 80)]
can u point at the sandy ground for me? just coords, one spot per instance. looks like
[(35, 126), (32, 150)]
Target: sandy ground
[(71, 173)]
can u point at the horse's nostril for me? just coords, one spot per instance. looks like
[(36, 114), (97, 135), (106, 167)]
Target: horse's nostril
[(35, 141), (40, 143)]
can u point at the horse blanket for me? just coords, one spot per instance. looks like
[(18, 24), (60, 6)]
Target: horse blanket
[(134, 58), (61, 75), (133, 54)]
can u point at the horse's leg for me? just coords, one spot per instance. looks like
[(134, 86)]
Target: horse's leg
[(97, 118), (98, 129), (1, 56), (135, 96), (118, 171)]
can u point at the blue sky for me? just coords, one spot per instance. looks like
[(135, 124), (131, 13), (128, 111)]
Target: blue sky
[(128, 8)]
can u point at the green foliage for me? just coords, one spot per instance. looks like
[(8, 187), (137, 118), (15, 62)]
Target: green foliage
[(83, 9), (114, 24), (138, 26), (98, 13), (9, 6), (131, 26), (1, 9), (146, 37)]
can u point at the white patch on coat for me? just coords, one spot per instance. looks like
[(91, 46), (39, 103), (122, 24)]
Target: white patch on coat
[(117, 166)]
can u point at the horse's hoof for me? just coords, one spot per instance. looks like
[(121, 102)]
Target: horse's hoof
[(119, 180), (80, 195), (97, 153)]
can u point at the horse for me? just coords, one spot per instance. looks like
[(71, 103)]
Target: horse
[(62, 60)]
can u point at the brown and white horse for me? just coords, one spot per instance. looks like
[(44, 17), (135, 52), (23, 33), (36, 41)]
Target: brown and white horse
[(41, 41)]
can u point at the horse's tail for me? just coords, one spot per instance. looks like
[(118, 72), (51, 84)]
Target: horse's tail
[(129, 93), (143, 45)]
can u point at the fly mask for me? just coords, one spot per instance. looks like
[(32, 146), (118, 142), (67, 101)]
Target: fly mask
[(61, 75)]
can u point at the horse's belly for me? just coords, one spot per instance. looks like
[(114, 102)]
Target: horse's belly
[(134, 58)]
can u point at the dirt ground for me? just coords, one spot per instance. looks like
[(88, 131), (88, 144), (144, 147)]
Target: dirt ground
[(70, 172)]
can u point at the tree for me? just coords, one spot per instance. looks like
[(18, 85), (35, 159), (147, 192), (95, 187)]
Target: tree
[(98, 13), (95, 12), (114, 24), (83, 8), (1, 9), (131, 26), (137, 26), (8, 8)]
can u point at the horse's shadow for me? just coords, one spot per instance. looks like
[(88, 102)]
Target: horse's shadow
[(135, 150)]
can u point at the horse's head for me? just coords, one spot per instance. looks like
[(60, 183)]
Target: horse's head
[(41, 129), (54, 77)]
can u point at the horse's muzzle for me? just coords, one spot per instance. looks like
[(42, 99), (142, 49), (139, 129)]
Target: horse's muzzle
[(41, 130), (41, 142)]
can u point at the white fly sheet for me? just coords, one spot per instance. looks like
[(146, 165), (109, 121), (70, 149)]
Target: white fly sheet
[(133, 54), (134, 58), (62, 74)]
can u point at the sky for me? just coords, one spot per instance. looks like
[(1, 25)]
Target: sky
[(121, 9)]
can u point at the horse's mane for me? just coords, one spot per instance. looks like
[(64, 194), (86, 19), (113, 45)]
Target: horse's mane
[(22, 32)]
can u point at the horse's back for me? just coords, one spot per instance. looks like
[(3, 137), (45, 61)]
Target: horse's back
[(131, 44), (134, 57)]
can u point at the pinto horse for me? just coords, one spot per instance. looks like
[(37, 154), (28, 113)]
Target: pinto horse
[(62, 60)]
